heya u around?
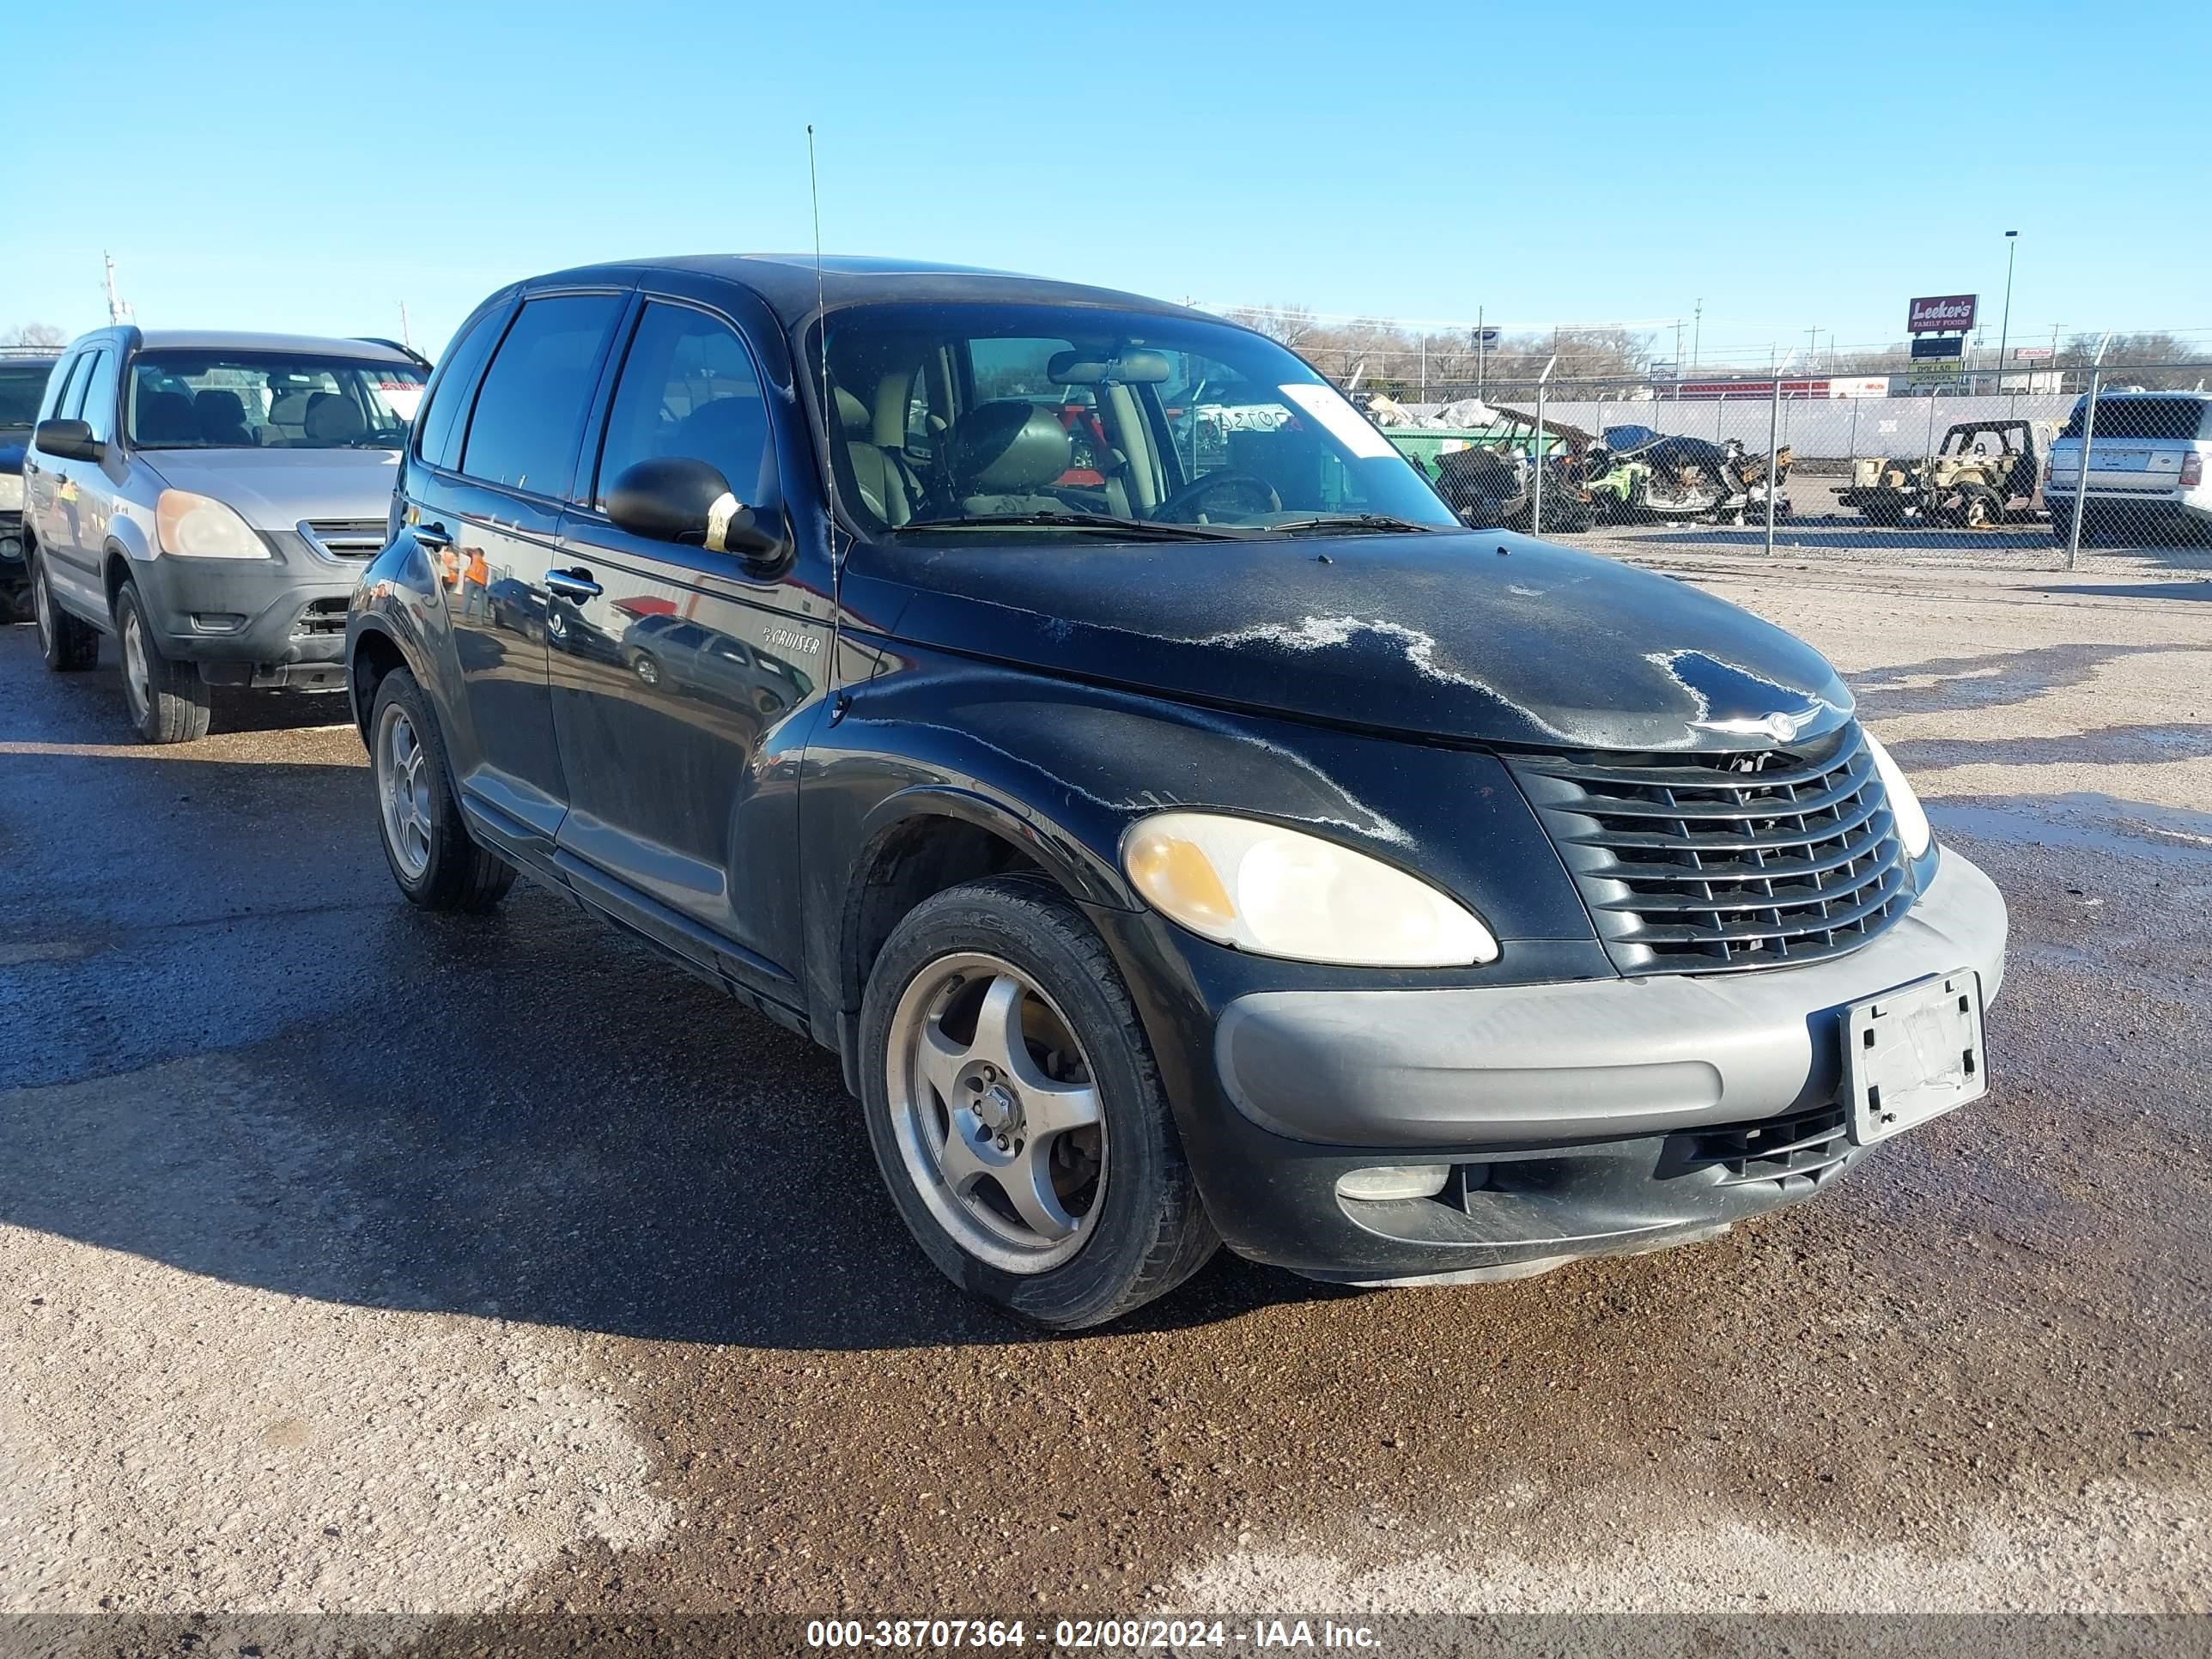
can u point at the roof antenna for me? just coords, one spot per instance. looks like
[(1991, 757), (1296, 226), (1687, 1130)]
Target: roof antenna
[(822, 324)]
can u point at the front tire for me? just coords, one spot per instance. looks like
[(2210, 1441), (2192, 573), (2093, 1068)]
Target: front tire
[(1017, 1113), (438, 864), (168, 700), (68, 645)]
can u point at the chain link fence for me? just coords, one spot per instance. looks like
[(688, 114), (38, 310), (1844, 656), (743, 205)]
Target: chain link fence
[(1784, 464)]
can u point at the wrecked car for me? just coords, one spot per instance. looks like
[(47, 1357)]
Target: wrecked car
[(1983, 473), (1224, 844), (1637, 475), (1492, 484)]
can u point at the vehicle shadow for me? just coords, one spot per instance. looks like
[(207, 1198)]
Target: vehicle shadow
[(245, 1057), (1986, 681)]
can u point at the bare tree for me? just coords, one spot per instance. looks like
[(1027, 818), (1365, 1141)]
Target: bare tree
[(1292, 325), (34, 334)]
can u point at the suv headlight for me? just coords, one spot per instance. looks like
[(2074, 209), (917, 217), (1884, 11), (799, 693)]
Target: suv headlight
[(202, 527), (1903, 805), (1279, 892)]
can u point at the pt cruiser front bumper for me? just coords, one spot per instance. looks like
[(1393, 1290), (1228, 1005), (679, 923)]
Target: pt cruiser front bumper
[(1591, 1117)]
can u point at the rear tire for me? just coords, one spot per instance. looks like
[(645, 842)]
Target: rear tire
[(168, 700), (1140, 1229), (438, 864), (68, 645)]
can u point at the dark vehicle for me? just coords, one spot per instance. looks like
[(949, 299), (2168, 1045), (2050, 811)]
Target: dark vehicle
[(1241, 850), (23, 373), (1638, 475), (1492, 484)]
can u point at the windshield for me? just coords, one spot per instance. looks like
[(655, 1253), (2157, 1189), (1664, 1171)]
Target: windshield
[(1041, 419), (21, 385), (257, 400)]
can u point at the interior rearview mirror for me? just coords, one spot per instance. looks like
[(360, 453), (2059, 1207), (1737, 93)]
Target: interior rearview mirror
[(680, 500), (71, 440)]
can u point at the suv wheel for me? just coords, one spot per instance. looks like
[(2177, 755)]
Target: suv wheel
[(68, 645), (168, 700), (437, 863), (1017, 1113)]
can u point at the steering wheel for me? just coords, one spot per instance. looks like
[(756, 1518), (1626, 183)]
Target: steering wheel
[(1177, 505)]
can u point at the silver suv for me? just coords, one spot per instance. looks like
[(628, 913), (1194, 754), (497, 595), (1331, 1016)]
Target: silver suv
[(209, 500)]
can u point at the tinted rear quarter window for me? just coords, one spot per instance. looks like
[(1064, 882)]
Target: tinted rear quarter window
[(2142, 418), (530, 411)]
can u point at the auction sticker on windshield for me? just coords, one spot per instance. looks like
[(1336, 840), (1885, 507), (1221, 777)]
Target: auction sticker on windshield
[(1345, 423)]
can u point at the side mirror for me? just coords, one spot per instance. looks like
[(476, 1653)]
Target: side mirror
[(678, 500), (71, 440)]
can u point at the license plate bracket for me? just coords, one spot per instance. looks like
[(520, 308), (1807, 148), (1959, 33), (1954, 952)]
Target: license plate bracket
[(1912, 1054)]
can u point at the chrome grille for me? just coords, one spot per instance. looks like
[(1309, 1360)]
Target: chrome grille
[(345, 538), (1698, 863)]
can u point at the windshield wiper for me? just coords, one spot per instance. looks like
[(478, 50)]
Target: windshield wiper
[(1137, 529), (1349, 521)]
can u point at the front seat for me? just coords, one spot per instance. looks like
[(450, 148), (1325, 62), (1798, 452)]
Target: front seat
[(334, 419), (1001, 456), (882, 486), (165, 417), (220, 417), (731, 434)]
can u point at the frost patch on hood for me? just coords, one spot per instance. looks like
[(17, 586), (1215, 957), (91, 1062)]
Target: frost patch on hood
[(1740, 701), (1420, 649)]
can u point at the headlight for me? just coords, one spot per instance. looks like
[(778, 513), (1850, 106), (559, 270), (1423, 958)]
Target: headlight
[(1281, 893), (201, 527), (1903, 805), (11, 492)]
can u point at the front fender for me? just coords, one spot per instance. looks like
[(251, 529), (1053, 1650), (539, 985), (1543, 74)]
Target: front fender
[(393, 604)]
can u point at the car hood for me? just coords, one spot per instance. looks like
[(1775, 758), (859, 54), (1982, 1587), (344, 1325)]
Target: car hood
[(1490, 637), (275, 488)]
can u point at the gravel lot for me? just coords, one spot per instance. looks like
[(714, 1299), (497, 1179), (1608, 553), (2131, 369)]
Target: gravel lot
[(355, 1259)]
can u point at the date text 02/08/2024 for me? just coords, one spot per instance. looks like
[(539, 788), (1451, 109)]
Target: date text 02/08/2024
[(1130, 1634)]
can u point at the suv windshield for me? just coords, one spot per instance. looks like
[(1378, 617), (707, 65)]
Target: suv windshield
[(1044, 420), (258, 400), (21, 385)]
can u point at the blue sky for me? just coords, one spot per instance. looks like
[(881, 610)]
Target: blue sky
[(310, 167)]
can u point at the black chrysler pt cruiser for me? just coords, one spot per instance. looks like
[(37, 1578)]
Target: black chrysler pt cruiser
[(1070, 710)]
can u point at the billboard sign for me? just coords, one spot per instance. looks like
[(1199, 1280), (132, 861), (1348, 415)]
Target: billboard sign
[(2032, 354), (1938, 346), (1941, 314)]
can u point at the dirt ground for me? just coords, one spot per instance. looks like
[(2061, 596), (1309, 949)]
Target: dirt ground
[(353, 1260)]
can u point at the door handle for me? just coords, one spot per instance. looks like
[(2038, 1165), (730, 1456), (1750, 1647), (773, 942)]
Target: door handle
[(433, 537), (576, 584)]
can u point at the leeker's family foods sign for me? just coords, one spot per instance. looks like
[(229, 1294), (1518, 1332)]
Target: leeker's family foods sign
[(1942, 313)]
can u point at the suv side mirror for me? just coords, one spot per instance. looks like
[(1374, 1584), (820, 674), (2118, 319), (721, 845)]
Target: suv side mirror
[(679, 500), (71, 440)]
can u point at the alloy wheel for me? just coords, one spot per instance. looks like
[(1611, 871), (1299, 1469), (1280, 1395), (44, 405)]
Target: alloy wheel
[(402, 788), (997, 1112), (137, 674)]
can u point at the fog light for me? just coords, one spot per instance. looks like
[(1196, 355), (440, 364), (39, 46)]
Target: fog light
[(1394, 1180), (217, 621), (11, 550)]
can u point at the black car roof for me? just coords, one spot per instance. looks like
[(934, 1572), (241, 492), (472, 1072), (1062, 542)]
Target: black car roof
[(786, 282)]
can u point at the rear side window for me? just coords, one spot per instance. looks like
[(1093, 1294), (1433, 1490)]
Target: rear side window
[(440, 425), (59, 384), (99, 388), (523, 434), (2144, 418), (688, 390)]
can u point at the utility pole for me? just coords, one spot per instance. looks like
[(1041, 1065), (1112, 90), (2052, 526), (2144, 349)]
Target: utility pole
[(1812, 347), (2004, 329), (1697, 332), (1480, 334), (118, 311), (405, 338)]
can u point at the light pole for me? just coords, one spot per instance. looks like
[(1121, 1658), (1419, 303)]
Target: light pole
[(2004, 329)]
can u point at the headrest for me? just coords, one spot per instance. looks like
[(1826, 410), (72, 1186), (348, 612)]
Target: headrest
[(853, 415), (165, 417), (1006, 447), (332, 419)]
